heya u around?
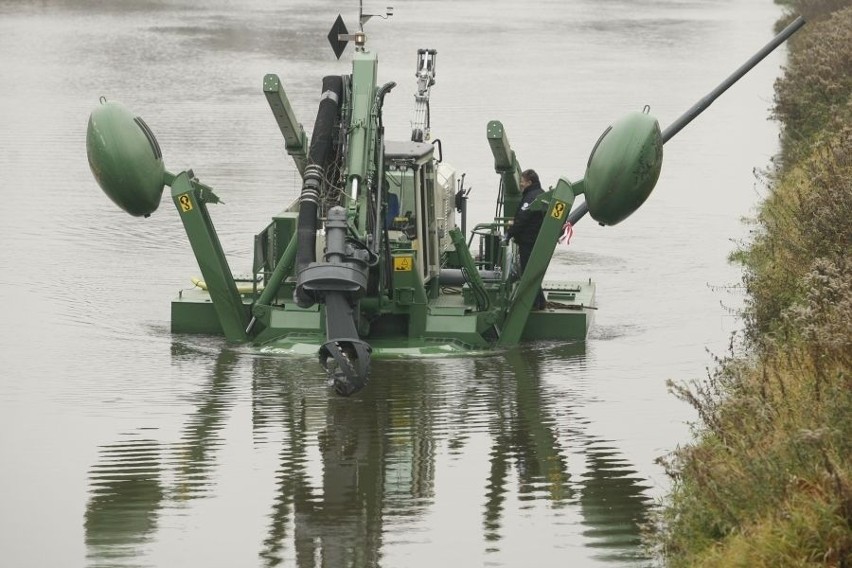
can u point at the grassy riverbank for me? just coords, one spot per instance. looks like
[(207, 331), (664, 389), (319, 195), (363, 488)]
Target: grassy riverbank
[(768, 479)]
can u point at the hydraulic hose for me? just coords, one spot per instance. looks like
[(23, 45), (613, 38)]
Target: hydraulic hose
[(319, 155), (380, 176)]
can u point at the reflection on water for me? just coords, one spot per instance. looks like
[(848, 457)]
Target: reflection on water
[(350, 471), (613, 506), (125, 496), (193, 456), (185, 453), (524, 437)]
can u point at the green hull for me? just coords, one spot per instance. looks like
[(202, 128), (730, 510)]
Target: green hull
[(450, 323)]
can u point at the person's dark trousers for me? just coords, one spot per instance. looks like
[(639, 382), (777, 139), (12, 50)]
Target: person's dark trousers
[(525, 250)]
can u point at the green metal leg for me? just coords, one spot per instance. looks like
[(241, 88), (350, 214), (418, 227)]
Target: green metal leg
[(211, 259), (561, 200)]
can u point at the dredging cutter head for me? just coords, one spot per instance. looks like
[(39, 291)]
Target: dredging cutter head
[(347, 362)]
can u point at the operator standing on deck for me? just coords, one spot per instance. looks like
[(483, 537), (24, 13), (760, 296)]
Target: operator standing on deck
[(524, 228)]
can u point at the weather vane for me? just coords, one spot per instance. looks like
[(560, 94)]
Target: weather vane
[(339, 36)]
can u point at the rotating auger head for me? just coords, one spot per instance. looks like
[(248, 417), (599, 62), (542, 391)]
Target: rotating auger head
[(347, 363)]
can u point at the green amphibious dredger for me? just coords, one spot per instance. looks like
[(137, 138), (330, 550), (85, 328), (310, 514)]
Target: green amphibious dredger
[(373, 257)]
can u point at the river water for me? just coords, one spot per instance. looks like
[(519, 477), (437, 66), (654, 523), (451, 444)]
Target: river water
[(123, 445)]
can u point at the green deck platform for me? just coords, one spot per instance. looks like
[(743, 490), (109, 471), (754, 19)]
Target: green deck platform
[(568, 316)]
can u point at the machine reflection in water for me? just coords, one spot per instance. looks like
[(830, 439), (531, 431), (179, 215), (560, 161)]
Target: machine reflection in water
[(355, 477), (126, 495)]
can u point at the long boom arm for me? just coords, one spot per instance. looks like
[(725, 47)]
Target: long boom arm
[(705, 102), (505, 164), (631, 170), (295, 139)]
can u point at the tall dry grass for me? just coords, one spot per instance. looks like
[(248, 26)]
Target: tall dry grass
[(768, 479)]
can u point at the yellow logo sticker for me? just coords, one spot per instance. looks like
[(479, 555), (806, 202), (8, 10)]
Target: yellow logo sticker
[(403, 263), (185, 203), (558, 211)]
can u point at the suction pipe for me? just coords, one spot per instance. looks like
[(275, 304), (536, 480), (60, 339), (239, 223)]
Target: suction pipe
[(318, 157)]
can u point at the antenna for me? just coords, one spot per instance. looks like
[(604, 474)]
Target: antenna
[(339, 36), (363, 18)]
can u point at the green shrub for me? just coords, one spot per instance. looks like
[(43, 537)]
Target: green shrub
[(768, 479), (817, 81), (805, 219)]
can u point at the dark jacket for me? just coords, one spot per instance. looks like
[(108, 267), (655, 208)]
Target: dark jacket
[(524, 229)]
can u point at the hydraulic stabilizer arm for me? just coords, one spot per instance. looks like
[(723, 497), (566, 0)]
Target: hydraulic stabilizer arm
[(127, 163), (191, 197), (558, 202)]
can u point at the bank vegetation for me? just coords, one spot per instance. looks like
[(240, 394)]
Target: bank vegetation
[(767, 480)]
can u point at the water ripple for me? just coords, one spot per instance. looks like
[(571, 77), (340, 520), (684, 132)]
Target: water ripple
[(125, 497)]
